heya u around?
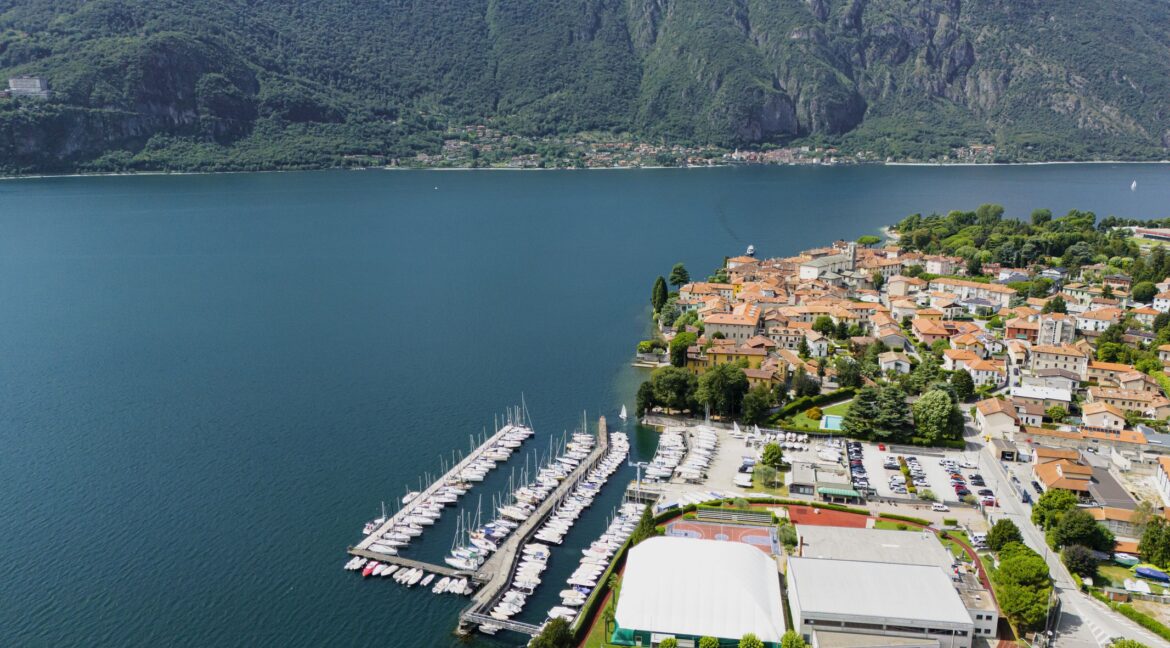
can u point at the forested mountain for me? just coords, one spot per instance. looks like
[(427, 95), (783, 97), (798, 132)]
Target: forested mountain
[(280, 83)]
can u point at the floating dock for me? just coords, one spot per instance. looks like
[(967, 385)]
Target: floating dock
[(496, 574), (363, 548)]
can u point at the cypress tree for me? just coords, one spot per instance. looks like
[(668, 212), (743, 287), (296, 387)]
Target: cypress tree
[(659, 295)]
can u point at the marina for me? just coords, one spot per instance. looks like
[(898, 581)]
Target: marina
[(526, 576), (386, 536), (498, 570)]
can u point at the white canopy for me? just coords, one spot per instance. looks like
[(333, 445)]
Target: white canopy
[(685, 586)]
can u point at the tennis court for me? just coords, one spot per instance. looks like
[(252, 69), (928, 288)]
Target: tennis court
[(763, 538)]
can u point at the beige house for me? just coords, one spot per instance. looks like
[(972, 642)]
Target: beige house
[(1103, 415), (996, 418), (1059, 357)]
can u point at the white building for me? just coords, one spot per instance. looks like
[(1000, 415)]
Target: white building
[(873, 598), (1162, 479), (820, 266), (28, 86), (689, 588), (1162, 302)]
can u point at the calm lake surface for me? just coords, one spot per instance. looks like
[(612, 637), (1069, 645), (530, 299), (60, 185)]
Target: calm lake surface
[(209, 383)]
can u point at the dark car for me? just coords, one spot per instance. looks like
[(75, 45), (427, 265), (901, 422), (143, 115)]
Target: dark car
[(1037, 487), (985, 492), (961, 492), (1025, 497)]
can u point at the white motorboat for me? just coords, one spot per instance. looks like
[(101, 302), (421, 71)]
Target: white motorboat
[(441, 586), (426, 581)]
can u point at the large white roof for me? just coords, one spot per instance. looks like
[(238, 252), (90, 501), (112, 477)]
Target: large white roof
[(686, 586), (873, 545), (856, 589)]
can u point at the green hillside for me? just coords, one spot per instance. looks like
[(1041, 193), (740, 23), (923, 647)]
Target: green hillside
[(235, 84)]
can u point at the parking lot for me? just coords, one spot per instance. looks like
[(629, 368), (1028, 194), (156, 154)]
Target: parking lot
[(936, 476)]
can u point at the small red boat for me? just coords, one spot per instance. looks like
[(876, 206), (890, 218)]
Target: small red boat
[(370, 567)]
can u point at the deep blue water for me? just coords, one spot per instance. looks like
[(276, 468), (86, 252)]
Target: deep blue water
[(208, 383)]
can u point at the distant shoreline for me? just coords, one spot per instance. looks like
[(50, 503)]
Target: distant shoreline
[(104, 174)]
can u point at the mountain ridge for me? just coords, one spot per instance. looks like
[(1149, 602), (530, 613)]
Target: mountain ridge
[(237, 84)]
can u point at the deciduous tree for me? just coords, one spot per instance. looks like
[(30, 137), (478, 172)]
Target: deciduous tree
[(773, 456), (1079, 560), (1051, 506), (678, 347), (556, 634), (679, 275), (757, 403), (674, 387), (1003, 532), (1077, 527), (722, 388), (936, 417), (963, 385)]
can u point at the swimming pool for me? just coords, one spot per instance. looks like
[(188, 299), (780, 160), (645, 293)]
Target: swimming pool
[(831, 422)]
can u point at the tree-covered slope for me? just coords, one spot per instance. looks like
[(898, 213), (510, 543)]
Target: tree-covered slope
[(264, 83)]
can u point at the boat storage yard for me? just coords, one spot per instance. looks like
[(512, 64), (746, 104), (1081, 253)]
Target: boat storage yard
[(500, 562)]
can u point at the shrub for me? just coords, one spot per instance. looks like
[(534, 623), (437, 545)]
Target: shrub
[(928, 495), (950, 521), (750, 640), (902, 527), (669, 642), (905, 518), (814, 413), (708, 642), (1079, 560)]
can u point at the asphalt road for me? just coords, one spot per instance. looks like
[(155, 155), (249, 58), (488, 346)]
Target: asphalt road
[(1084, 621)]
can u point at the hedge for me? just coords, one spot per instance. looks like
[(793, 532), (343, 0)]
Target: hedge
[(1144, 620), (904, 518), (805, 402), (954, 444)]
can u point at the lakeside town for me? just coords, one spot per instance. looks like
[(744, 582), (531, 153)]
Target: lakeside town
[(935, 438), (482, 146)]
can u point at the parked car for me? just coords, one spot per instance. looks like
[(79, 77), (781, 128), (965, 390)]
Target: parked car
[(986, 492), (988, 501), (1036, 485), (1025, 497), (939, 506), (882, 447)]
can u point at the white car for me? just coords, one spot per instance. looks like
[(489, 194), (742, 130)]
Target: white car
[(939, 506), (968, 465)]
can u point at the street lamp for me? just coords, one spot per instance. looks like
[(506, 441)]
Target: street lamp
[(639, 465)]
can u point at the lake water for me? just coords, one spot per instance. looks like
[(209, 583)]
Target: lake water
[(208, 383)]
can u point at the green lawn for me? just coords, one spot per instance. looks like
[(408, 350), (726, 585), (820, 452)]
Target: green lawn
[(954, 547), (840, 409), (779, 491), (597, 637), (892, 525), (800, 421), (1110, 573)]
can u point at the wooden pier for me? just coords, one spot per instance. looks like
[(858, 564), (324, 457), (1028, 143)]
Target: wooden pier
[(362, 549), (396, 519), (496, 574), (407, 563)]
